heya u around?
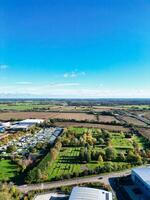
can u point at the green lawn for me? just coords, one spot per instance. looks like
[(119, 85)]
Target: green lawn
[(8, 170), (22, 106), (118, 140), (66, 163)]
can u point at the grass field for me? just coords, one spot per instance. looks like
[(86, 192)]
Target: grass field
[(66, 163), (8, 170), (22, 106), (118, 140)]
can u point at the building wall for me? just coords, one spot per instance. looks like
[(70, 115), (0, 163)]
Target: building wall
[(142, 185)]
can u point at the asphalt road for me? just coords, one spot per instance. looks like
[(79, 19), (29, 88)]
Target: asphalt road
[(50, 185)]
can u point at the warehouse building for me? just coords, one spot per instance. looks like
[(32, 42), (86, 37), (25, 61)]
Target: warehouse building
[(85, 193), (24, 125), (141, 177), (31, 121)]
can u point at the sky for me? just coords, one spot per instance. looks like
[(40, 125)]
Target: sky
[(75, 48)]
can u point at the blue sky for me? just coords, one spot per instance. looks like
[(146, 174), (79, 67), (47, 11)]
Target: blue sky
[(77, 48)]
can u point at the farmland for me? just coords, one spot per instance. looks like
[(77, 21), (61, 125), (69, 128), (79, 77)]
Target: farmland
[(134, 121), (104, 118), (46, 115), (90, 125)]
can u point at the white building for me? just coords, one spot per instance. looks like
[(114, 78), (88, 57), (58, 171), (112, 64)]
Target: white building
[(141, 177), (25, 124), (31, 121), (85, 193)]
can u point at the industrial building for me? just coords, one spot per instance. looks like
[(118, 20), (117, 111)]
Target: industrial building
[(141, 177), (24, 125), (31, 121), (85, 193)]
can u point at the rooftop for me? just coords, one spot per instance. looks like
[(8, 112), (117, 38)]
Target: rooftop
[(85, 193), (144, 174), (34, 121)]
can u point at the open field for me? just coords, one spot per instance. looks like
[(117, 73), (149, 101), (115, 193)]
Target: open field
[(105, 118), (45, 115), (22, 106), (92, 125), (147, 115), (8, 170), (134, 121), (145, 132)]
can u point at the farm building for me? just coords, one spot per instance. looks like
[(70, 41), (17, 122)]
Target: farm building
[(86, 193), (141, 177)]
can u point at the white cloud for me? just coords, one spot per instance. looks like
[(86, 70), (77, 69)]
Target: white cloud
[(24, 83), (3, 66), (73, 74), (56, 85), (70, 90)]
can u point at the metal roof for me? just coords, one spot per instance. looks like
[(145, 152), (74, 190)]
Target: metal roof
[(144, 174), (32, 121), (85, 193)]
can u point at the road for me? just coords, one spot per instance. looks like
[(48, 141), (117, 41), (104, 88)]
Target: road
[(50, 185)]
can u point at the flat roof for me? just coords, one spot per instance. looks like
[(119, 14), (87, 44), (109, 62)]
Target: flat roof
[(143, 173), (49, 196), (85, 193), (19, 126), (36, 121)]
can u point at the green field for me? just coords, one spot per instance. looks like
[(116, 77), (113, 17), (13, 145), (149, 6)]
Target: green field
[(65, 163), (8, 170), (23, 106)]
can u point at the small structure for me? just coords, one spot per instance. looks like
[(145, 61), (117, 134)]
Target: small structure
[(141, 177), (86, 193), (2, 129)]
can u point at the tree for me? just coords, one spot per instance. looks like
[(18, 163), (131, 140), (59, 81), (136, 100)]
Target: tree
[(53, 153), (82, 153), (110, 153), (88, 156), (39, 175), (11, 148), (100, 159), (101, 141), (58, 145), (121, 157)]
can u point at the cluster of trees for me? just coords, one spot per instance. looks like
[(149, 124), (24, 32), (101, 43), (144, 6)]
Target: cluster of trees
[(110, 154), (90, 137), (9, 192), (40, 173)]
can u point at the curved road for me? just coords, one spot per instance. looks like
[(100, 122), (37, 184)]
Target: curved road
[(50, 185)]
